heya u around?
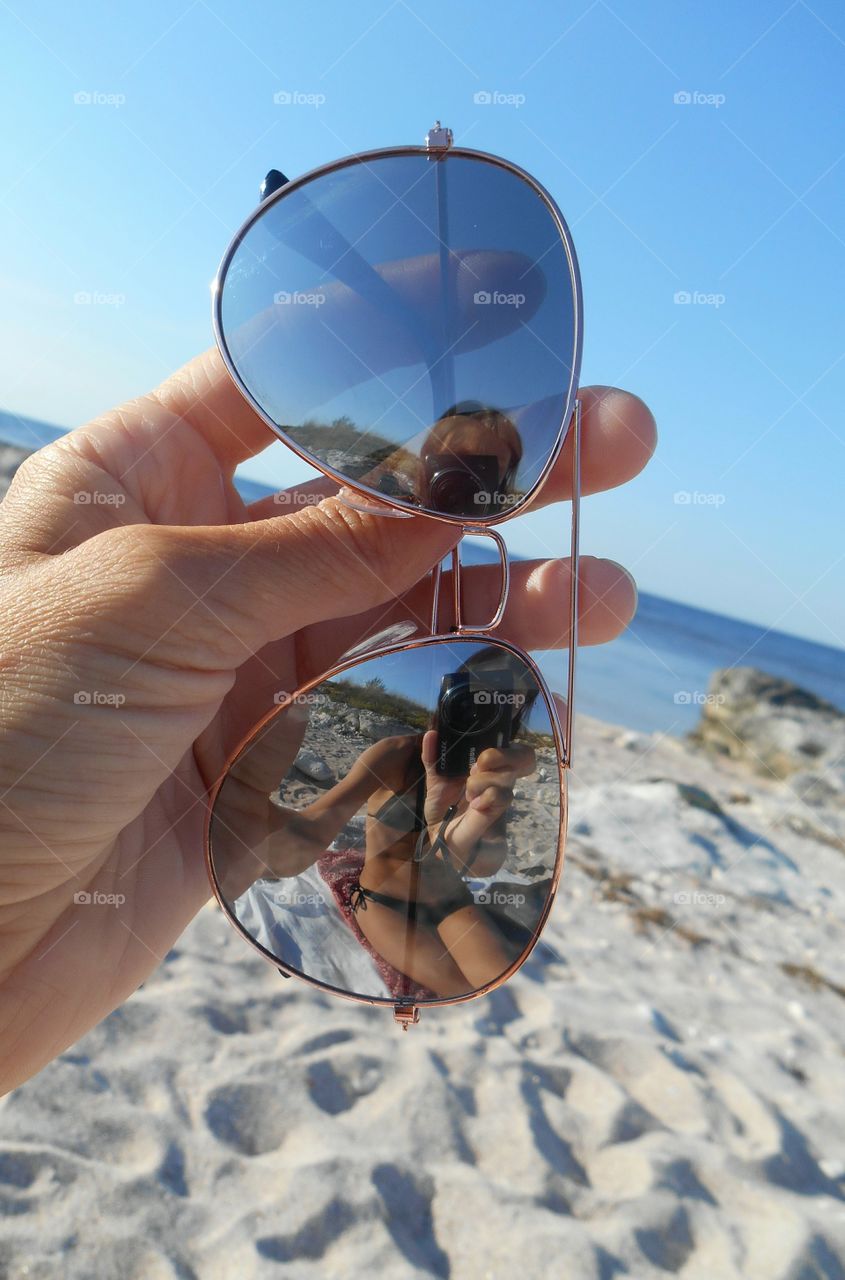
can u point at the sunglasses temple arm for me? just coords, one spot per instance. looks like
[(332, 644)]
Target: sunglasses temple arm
[(573, 581), (442, 371)]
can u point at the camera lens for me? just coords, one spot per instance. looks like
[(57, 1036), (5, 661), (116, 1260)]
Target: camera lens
[(454, 490), (466, 710)]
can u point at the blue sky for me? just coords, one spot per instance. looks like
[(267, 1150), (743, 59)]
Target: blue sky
[(734, 197)]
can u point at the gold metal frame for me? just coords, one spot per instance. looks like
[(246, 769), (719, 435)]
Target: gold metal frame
[(406, 1013), (365, 157)]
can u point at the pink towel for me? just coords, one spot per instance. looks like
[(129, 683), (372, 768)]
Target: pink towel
[(341, 870)]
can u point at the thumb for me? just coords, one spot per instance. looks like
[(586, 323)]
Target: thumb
[(223, 591)]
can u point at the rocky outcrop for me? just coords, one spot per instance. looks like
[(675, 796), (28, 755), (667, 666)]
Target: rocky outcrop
[(777, 728)]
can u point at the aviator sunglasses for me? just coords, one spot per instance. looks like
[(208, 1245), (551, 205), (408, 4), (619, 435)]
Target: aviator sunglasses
[(409, 322)]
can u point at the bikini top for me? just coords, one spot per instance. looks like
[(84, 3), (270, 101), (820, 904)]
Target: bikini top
[(403, 811)]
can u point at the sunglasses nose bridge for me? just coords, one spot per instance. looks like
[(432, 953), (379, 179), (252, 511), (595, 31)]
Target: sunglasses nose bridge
[(459, 627)]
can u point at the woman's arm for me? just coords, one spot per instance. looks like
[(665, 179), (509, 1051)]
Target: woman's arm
[(299, 836)]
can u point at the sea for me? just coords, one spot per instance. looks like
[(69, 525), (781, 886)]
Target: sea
[(653, 678)]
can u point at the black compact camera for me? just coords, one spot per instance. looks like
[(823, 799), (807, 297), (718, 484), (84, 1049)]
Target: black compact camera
[(476, 711), (462, 486)]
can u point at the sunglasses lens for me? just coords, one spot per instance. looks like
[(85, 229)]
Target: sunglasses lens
[(411, 325), (394, 833)]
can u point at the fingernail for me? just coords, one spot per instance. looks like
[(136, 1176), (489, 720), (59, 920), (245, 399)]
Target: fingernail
[(630, 578)]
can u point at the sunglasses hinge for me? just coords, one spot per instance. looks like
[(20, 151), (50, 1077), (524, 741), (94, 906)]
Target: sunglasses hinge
[(406, 1015)]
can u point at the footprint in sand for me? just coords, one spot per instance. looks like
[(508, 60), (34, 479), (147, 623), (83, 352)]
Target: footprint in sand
[(662, 1084), (337, 1086), (226, 1019), (28, 1177), (249, 1117)]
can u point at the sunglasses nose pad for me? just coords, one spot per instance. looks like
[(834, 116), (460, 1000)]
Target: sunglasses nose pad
[(369, 506)]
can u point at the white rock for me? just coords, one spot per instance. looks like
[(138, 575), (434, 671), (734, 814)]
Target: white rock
[(310, 765)]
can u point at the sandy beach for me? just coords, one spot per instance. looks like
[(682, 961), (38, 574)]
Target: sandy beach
[(657, 1092)]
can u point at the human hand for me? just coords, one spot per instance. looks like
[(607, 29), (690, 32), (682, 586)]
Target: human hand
[(177, 612), (480, 799)]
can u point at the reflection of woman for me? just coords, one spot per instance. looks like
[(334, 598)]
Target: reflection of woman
[(471, 433), (471, 451), (406, 892)]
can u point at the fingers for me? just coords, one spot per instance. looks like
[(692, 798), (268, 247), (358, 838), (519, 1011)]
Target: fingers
[(494, 775), (619, 431), (536, 617), (470, 827), (215, 594), (537, 611), (619, 435), (428, 751), (203, 394), (501, 766)]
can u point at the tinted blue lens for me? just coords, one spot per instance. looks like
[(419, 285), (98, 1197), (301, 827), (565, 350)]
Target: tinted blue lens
[(410, 324)]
